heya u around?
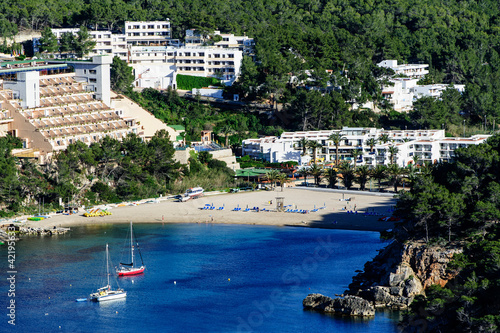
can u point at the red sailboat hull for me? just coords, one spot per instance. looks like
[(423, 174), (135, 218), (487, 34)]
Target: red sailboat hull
[(131, 272)]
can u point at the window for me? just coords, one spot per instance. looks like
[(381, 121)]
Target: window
[(165, 26), (225, 39), (151, 26), (201, 54), (92, 71)]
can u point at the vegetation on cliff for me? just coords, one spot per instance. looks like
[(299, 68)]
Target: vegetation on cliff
[(457, 204)]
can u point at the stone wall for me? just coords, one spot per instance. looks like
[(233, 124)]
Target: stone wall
[(225, 155)]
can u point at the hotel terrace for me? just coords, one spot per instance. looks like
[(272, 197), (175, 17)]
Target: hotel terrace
[(48, 106)]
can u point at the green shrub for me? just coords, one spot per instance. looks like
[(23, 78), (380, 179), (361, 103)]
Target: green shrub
[(188, 82)]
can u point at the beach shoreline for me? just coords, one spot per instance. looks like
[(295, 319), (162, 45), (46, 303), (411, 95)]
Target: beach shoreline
[(330, 209)]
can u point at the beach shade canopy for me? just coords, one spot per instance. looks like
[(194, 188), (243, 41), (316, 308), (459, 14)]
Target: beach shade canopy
[(251, 172)]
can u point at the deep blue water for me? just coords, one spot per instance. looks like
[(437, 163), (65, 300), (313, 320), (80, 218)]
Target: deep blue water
[(228, 278)]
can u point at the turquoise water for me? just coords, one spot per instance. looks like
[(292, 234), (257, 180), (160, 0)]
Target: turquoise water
[(199, 278)]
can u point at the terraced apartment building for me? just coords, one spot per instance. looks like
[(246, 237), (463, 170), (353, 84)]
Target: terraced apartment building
[(49, 105)]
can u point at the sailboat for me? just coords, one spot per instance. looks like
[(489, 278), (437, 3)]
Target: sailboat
[(106, 293), (126, 269)]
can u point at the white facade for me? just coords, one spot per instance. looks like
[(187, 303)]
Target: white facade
[(136, 33), (434, 90), (405, 91), (158, 66), (414, 146), (97, 76), (243, 43), (400, 94), (107, 43), (410, 70), (154, 33)]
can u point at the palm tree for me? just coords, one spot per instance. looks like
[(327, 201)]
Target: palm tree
[(336, 138), (394, 172), (355, 153), (236, 148), (314, 145), (411, 174), (316, 172), (303, 144), (393, 151), (362, 174), (226, 130), (283, 179), (371, 143), (304, 171), (347, 172), (384, 138), (331, 176), (272, 176), (379, 173)]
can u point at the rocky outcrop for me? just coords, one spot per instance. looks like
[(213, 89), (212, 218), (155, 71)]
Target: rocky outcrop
[(402, 271), (349, 305)]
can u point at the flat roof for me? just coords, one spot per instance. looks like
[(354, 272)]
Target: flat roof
[(5, 71), (177, 127)]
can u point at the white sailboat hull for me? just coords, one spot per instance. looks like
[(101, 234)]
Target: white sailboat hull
[(111, 297), (108, 296)]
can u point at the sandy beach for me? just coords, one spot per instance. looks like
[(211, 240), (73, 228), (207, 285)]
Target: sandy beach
[(334, 214)]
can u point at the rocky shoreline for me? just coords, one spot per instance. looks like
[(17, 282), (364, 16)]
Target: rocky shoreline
[(26, 231), (391, 280)]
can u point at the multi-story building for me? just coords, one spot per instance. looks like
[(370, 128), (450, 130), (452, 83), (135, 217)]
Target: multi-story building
[(413, 146), (49, 105), (409, 70), (157, 67), (154, 33), (107, 43), (403, 92), (197, 38)]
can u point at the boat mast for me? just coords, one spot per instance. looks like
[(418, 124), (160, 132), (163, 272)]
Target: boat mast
[(131, 244), (107, 262)]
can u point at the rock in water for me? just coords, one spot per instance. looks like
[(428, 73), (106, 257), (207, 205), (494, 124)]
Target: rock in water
[(350, 305)]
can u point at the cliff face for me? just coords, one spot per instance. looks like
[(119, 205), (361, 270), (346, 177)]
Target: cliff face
[(402, 271)]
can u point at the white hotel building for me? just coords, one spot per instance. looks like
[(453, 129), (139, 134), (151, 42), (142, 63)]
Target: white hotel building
[(414, 146), (404, 91), (146, 33), (157, 66), (410, 70), (157, 58)]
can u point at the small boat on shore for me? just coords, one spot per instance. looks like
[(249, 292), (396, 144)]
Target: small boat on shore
[(126, 269), (106, 293)]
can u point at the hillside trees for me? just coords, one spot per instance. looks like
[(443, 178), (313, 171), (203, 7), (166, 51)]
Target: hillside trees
[(458, 197), (121, 76)]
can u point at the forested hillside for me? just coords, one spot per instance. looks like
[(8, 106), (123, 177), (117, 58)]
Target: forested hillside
[(457, 205), (458, 39)]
